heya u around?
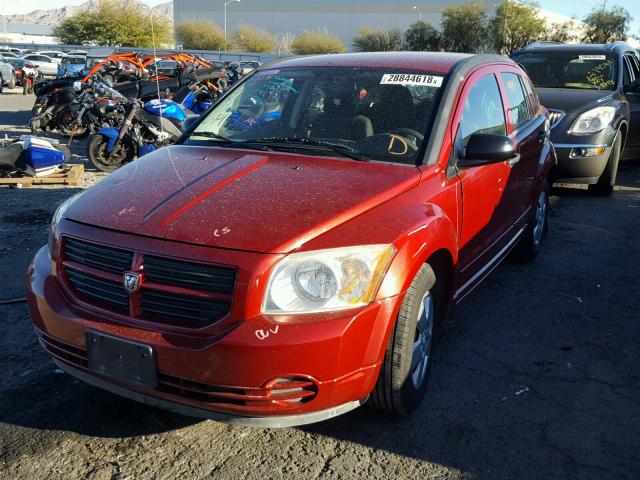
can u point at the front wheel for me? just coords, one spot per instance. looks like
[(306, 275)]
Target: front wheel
[(604, 186), (12, 81), (402, 381), (104, 160)]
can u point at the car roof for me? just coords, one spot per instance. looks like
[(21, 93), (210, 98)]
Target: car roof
[(615, 47), (437, 62)]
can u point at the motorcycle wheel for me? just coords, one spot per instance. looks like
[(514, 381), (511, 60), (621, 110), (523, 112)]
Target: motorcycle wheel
[(65, 125), (105, 161)]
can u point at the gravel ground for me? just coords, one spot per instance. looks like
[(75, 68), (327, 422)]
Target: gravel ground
[(536, 375)]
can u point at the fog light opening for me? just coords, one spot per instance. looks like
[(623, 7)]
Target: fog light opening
[(583, 152)]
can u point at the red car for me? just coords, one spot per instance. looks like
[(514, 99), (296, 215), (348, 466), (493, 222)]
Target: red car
[(291, 257)]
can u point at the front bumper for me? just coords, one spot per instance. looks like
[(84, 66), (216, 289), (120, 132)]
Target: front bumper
[(576, 168), (226, 375)]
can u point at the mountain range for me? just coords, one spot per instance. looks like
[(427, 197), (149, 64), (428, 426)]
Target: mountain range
[(52, 16)]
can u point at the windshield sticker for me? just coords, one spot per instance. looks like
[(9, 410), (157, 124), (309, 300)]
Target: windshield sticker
[(410, 79), (592, 57)]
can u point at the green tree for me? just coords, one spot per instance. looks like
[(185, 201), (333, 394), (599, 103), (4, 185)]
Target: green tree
[(370, 40), (316, 42), (252, 39), (516, 24), (115, 23), (563, 32), (200, 35), (604, 26), (422, 37), (465, 27)]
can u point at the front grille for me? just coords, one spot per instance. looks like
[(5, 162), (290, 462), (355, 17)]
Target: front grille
[(555, 117), (98, 256), (189, 274), (175, 292), (98, 289), (175, 308)]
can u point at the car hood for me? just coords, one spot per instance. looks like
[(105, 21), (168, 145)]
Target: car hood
[(571, 100), (267, 202)]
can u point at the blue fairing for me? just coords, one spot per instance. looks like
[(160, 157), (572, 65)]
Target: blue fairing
[(166, 108), (189, 100), (112, 135), (240, 123)]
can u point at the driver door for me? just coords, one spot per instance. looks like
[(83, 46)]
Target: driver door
[(488, 191), (632, 93)]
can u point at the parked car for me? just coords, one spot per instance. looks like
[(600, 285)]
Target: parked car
[(7, 74), (247, 67), (71, 65), (163, 68), (44, 64), (593, 94), (12, 50), (7, 54), (55, 55), (283, 272)]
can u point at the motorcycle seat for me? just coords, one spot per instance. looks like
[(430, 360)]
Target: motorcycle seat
[(10, 154)]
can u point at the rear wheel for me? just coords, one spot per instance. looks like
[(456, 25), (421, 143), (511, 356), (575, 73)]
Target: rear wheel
[(12, 81), (67, 125), (107, 161), (531, 241), (402, 381), (607, 180)]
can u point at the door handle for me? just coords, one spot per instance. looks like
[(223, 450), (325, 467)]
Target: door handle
[(515, 159)]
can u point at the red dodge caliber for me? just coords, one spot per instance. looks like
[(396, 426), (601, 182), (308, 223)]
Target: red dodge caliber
[(290, 258)]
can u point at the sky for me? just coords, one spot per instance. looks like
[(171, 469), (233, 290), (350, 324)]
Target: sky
[(577, 8)]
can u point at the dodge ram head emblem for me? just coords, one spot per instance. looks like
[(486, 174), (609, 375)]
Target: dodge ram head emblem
[(132, 281)]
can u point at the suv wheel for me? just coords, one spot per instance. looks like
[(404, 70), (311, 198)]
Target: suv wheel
[(607, 180), (1, 83), (402, 381), (531, 241), (12, 82)]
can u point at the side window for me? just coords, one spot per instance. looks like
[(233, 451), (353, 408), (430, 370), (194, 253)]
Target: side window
[(518, 109), (632, 64), (531, 94), (483, 111), (627, 77)]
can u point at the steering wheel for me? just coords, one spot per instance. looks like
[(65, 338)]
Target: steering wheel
[(408, 133)]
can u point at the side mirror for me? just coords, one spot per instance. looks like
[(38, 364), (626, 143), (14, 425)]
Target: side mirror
[(487, 148), (190, 123)]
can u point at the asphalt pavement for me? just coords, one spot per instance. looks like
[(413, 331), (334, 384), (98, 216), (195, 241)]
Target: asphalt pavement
[(536, 375)]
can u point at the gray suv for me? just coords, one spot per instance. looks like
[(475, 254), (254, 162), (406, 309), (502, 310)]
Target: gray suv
[(593, 95)]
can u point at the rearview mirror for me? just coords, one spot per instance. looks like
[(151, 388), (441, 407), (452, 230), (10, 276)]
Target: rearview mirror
[(487, 148)]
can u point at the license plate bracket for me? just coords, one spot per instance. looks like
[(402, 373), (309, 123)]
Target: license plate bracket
[(128, 362)]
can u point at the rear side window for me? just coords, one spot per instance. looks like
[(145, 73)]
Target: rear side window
[(518, 109), (483, 111), (532, 96)]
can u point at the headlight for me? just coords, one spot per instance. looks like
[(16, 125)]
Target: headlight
[(57, 216), (325, 280), (593, 121)]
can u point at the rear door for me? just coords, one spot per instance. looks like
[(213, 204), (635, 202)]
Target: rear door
[(527, 128), (488, 191)]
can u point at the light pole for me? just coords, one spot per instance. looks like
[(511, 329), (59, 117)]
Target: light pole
[(413, 8), (225, 22)]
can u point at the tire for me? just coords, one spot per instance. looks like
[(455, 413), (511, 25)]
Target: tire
[(402, 381), (531, 241), (606, 182), (104, 161), (64, 125), (13, 81), (1, 83)]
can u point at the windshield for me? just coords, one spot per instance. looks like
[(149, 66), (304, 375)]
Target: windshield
[(569, 70), (358, 112)]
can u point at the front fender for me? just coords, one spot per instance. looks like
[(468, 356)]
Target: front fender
[(111, 134)]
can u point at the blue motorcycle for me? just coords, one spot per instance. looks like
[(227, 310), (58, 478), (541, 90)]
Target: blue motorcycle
[(145, 128)]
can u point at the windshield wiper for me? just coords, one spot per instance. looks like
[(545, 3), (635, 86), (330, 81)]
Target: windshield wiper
[(284, 142), (227, 142)]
